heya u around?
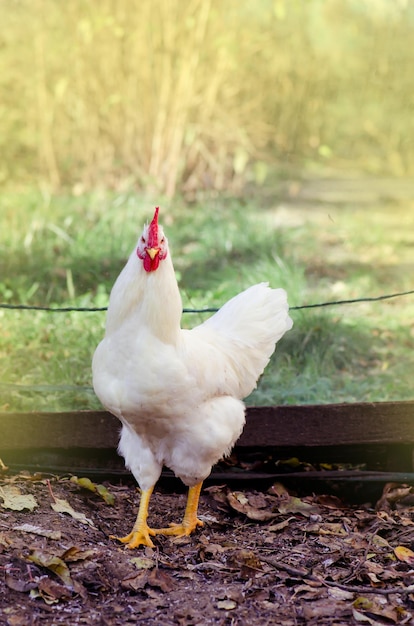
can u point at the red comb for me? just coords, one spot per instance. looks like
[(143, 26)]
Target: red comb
[(153, 230)]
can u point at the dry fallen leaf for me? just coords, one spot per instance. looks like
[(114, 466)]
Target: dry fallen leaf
[(274, 528), (160, 579), (74, 554), (226, 605), (321, 611), (15, 500), (22, 586), (153, 578), (370, 610), (51, 591), (247, 561), (340, 594), (279, 490), (52, 563), (296, 505), (404, 554), (142, 562), (329, 501), (239, 502), (392, 494), (63, 506), (5, 541), (380, 542), (329, 528), (36, 530), (135, 581)]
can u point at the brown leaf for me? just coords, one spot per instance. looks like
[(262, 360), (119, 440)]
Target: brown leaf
[(52, 563), (373, 568), (392, 493), (279, 490), (247, 562), (296, 505), (258, 500), (330, 502), (136, 581), (74, 554), (158, 578), (153, 578), (53, 589), (207, 548), (218, 493), (320, 609), (5, 541), (335, 529), (19, 585), (274, 528), (239, 502)]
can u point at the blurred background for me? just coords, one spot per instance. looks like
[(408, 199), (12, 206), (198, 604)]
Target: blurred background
[(278, 137), (183, 95)]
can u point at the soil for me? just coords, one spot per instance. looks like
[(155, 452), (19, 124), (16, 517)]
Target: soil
[(262, 557)]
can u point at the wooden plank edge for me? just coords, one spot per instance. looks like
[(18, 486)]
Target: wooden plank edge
[(290, 426), (336, 476)]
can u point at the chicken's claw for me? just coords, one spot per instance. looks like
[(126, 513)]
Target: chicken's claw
[(138, 537), (180, 530)]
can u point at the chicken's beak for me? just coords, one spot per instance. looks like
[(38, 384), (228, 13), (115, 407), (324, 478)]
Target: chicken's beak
[(152, 252)]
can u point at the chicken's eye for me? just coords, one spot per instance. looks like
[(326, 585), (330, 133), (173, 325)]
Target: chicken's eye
[(162, 241), (142, 239)]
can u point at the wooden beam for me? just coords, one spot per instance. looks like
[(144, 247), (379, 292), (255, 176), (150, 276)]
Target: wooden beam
[(330, 424), (281, 426)]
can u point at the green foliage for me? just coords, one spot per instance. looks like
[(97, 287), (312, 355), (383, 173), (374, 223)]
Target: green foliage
[(183, 95), (68, 250)]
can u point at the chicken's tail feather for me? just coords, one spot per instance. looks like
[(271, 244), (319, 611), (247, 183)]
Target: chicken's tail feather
[(248, 327)]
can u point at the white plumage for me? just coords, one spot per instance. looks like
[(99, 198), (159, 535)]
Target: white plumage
[(177, 392)]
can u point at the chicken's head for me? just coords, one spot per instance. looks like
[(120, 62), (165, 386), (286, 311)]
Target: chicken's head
[(152, 245)]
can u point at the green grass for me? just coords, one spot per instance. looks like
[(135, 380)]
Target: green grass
[(68, 250)]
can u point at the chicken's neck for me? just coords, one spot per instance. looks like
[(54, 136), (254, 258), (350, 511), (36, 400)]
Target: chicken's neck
[(150, 299)]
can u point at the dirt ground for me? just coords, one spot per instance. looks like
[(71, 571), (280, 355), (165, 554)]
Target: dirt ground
[(262, 557)]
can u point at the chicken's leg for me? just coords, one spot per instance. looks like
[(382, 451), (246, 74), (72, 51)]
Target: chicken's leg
[(190, 519), (140, 534)]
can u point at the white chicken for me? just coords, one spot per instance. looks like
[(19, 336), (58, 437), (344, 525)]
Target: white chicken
[(178, 392)]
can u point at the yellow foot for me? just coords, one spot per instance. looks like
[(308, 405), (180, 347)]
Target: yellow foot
[(180, 530), (139, 537)]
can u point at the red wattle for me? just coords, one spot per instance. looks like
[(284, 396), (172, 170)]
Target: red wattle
[(150, 265)]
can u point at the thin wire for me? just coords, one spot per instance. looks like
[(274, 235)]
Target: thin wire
[(68, 309), (352, 301)]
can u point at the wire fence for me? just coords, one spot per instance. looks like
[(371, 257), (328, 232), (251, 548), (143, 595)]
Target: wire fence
[(68, 309)]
